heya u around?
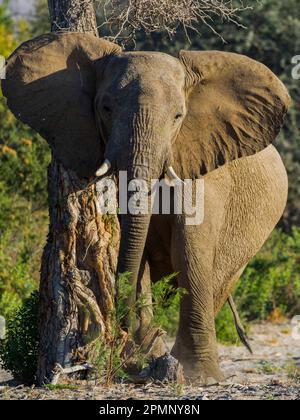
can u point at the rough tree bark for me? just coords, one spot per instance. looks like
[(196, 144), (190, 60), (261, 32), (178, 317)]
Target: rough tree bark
[(73, 15), (80, 258)]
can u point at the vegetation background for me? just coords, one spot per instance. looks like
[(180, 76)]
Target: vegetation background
[(270, 287)]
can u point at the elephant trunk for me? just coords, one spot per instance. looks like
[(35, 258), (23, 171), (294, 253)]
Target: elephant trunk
[(145, 162), (133, 239), (134, 231)]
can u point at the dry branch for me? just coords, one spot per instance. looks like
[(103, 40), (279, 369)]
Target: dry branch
[(125, 18)]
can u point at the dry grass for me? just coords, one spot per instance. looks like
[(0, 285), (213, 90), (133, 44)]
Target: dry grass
[(126, 17)]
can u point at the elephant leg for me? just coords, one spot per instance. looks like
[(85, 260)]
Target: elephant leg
[(196, 342), (148, 336)]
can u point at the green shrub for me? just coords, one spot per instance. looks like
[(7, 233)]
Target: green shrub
[(272, 280), (270, 283), (24, 157), (108, 358), (22, 236), (18, 351), (166, 304), (225, 327)]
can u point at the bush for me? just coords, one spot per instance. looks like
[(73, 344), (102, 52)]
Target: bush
[(24, 162), (269, 286), (225, 327), (22, 235), (108, 358), (272, 280), (166, 304), (18, 351), (24, 157)]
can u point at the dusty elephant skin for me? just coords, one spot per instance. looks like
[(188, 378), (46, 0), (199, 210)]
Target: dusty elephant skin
[(206, 114)]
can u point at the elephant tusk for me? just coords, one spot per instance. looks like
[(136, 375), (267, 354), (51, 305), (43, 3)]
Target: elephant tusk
[(104, 168), (172, 176)]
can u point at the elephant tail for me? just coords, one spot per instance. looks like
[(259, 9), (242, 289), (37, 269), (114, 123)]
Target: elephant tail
[(238, 324)]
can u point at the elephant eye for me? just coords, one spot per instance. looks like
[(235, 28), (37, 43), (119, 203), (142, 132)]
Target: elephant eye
[(178, 116), (107, 109)]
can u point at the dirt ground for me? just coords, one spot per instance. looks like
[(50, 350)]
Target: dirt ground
[(272, 373)]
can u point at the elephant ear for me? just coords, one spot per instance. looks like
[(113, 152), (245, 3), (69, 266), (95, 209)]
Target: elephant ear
[(235, 108), (50, 85)]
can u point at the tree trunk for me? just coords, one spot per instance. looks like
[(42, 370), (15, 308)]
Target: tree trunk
[(73, 15), (80, 258)]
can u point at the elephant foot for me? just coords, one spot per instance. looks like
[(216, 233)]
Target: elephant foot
[(204, 374)]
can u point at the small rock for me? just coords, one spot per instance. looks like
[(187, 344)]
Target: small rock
[(164, 369)]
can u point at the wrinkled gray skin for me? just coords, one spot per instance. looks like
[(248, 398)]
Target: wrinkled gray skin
[(243, 202)]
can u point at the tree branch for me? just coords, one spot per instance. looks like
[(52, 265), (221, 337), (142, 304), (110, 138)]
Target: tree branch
[(125, 18)]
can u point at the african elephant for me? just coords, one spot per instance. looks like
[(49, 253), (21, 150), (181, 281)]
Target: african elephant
[(204, 115)]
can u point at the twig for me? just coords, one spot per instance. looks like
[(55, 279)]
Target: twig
[(59, 370), (125, 18)]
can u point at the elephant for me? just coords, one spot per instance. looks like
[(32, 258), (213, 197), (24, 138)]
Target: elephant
[(206, 115)]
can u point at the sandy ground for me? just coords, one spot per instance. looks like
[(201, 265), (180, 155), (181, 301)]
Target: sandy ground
[(272, 373)]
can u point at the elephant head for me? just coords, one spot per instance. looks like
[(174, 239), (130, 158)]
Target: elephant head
[(145, 113)]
